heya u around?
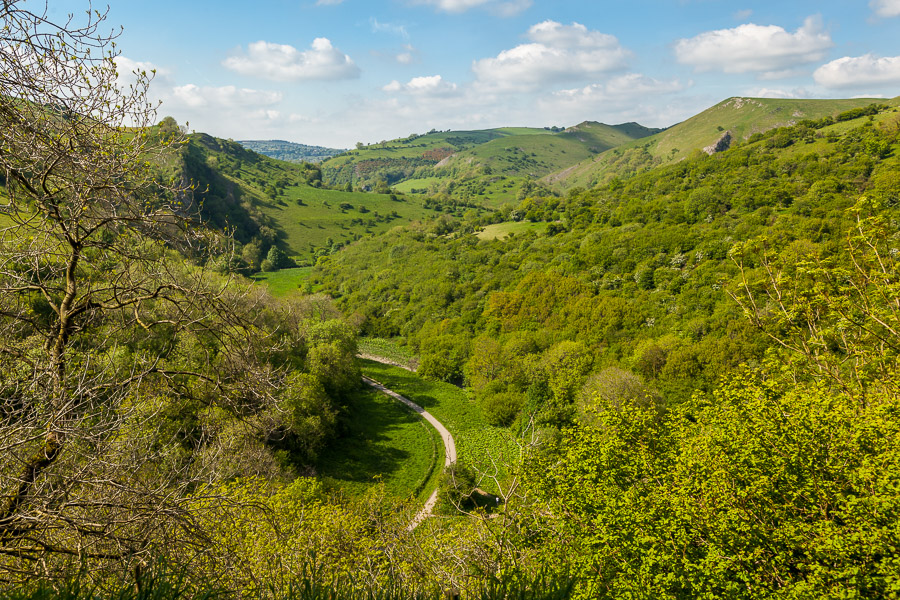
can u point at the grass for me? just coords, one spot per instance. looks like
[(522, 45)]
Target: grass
[(741, 116), (503, 230), (389, 349), (407, 187), (284, 282), (308, 217), (382, 442), (489, 449)]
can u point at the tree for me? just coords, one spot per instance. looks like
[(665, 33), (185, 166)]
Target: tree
[(109, 324), (278, 259), (839, 314)]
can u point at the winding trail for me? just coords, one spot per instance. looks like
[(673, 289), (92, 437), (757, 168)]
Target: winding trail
[(446, 437)]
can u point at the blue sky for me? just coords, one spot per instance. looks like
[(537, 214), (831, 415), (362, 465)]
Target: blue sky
[(334, 72)]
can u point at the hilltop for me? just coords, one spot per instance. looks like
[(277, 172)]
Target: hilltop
[(268, 202), (728, 123), (489, 166)]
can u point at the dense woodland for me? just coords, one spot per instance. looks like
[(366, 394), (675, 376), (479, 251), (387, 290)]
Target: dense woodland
[(681, 382)]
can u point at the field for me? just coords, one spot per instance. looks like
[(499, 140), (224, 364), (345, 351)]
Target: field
[(388, 349), (383, 442), (241, 186), (407, 187), (490, 450), (284, 282), (502, 230), (321, 216)]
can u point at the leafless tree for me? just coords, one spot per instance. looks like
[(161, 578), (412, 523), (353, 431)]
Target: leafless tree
[(107, 315)]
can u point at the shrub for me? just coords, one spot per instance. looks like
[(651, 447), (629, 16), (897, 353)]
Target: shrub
[(502, 409)]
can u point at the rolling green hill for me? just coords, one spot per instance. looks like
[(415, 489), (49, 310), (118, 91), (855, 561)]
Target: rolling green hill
[(537, 155), (634, 273), (270, 202), (406, 158), (488, 167), (475, 172), (730, 122)]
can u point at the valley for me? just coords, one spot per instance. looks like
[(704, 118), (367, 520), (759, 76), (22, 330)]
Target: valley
[(561, 362)]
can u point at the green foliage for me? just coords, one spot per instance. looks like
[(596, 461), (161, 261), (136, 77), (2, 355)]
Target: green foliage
[(457, 485), (278, 259), (501, 409), (745, 119), (754, 491), (381, 442), (831, 309), (311, 417), (442, 356), (639, 276)]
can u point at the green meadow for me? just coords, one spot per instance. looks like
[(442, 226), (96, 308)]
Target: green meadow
[(383, 442), (499, 231), (490, 450), (285, 282)]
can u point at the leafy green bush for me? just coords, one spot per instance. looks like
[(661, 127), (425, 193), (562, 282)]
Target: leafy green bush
[(501, 409)]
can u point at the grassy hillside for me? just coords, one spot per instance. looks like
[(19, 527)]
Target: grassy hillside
[(271, 202), (740, 118), (488, 167), (499, 231), (631, 276), (536, 155), (382, 442), (399, 159)]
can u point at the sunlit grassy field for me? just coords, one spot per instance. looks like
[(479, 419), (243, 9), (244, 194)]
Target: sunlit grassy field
[(382, 442), (284, 282), (502, 230), (490, 450)]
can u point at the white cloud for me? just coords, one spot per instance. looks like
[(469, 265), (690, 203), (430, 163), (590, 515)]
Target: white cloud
[(227, 96), (126, 69), (866, 70), (777, 93), (886, 8), (743, 14), (424, 86), (768, 50), (630, 97), (328, 2), (280, 62), (625, 88), (390, 28), (557, 53), (503, 8)]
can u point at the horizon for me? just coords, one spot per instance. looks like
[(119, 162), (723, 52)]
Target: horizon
[(336, 72)]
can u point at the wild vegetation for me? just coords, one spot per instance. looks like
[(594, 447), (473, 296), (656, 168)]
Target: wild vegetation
[(680, 381)]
